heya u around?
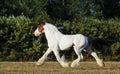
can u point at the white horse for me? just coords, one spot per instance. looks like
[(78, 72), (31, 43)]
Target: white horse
[(58, 41)]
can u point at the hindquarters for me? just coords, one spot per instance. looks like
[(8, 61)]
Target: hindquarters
[(80, 41)]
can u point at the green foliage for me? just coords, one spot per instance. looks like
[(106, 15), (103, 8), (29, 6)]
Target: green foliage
[(30, 8), (43, 17), (16, 38), (116, 48)]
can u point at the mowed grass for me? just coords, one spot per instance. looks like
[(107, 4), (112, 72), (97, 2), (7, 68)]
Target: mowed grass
[(55, 68)]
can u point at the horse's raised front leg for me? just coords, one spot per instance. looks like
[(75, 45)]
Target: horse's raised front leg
[(61, 61), (42, 59)]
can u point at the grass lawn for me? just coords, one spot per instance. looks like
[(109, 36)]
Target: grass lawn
[(55, 68)]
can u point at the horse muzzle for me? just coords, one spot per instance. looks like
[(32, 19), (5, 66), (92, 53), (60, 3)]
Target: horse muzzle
[(36, 34)]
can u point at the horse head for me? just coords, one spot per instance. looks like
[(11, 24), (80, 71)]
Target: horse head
[(39, 29)]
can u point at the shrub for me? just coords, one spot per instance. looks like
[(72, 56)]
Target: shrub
[(16, 38)]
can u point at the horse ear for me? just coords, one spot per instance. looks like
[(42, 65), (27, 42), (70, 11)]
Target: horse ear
[(42, 23)]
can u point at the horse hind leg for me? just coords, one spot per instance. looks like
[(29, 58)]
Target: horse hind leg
[(81, 56), (98, 60), (78, 51)]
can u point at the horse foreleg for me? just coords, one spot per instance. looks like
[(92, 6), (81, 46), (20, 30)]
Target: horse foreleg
[(60, 60), (42, 59)]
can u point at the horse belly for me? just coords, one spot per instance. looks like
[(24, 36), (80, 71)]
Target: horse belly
[(65, 44)]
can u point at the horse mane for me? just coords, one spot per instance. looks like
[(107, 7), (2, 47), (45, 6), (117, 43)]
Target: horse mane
[(52, 27)]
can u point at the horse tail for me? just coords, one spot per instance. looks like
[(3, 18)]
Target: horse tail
[(101, 45)]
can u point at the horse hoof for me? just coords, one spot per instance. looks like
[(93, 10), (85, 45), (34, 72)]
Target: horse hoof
[(65, 65), (74, 65), (101, 63), (38, 63)]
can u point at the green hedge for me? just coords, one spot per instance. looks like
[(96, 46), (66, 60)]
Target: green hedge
[(16, 39), (17, 42)]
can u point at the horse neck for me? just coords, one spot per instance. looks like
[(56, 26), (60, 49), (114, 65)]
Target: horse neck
[(51, 34)]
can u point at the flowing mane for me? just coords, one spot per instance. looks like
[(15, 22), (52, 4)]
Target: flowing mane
[(52, 27)]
